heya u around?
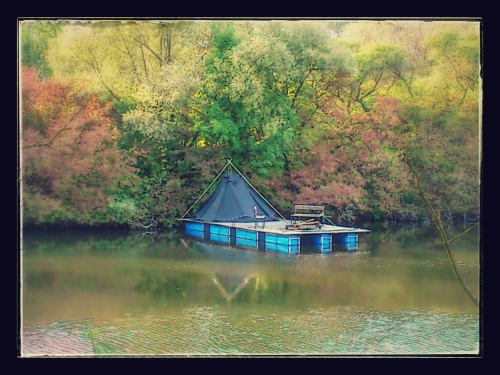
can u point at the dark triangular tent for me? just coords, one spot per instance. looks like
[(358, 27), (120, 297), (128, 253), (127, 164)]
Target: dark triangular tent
[(235, 200)]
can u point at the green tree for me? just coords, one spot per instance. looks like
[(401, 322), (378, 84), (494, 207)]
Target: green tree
[(246, 107), (35, 36), (456, 56)]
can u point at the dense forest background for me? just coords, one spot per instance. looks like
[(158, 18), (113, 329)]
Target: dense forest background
[(127, 122)]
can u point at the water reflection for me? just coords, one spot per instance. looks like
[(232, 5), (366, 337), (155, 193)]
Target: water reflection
[(179, 296)]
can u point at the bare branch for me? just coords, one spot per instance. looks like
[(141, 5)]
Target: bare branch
[(143, 43), (127, 52), (144, 63), (300, 86), (377, 81), (436, 217), (96, 67), (465, 231), (64, 128)]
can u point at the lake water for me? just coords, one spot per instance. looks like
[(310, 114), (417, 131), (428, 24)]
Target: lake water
[(111, 292)]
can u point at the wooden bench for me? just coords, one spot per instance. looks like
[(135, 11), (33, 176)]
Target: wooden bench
[(308, 212)]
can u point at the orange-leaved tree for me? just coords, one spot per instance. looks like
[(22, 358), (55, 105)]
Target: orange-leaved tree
[(72, 170)]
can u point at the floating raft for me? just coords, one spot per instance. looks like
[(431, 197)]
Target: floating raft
[(237, 214), (279, 235)]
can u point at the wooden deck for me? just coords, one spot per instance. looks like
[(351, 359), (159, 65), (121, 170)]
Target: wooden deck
[(279, 227)]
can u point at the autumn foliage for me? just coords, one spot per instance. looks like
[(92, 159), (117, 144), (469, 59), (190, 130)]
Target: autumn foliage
[(71, 165), (138, 117)]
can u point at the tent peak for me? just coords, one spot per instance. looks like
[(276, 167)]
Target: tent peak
[(235, 200)]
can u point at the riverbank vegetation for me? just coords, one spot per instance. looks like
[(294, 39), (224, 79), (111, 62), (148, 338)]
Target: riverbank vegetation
[(128, 122)]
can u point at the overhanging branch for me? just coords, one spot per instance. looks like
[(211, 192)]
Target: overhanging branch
[(436, 217), (64, 128)]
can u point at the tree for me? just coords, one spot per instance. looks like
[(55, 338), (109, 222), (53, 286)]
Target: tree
[(122, 60), (379, 65), (443, 146), (258, 91), (457, 58), (72, 169), (351, 166), (246, 108), (308, 110), (35, 37)]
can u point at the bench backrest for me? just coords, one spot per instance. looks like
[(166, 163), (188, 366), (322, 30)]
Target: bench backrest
[(308, 207)]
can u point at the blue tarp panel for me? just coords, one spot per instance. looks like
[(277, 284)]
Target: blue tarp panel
[(217, 229), (219, 238), (282, 243), (246, 242), (195, 233), (326, 244), (320, 242), (348, 241), (246, 234), (219, 233), (194, 226)]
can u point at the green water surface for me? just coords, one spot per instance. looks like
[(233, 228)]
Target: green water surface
[(114, 293)]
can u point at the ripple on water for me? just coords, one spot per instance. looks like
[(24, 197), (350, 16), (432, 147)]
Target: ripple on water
[(206, 330)]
